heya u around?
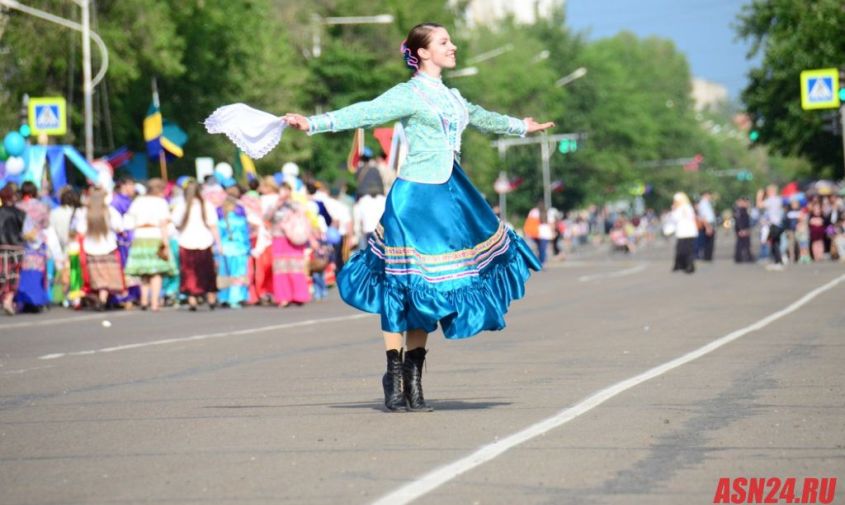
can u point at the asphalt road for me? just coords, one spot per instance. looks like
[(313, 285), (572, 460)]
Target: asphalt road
[(277, 406)]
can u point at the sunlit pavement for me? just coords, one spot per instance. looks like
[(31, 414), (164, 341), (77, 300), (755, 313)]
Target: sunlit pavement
[(267, 405)]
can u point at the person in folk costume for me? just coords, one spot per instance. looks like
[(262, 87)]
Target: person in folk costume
[(291, 230), (260, 273), (263, 249), (234, 225), (196, 220), (440, 254), (13, 222), (64, 220), (99, 225), (122, 198), (32, 288), (149, 255)]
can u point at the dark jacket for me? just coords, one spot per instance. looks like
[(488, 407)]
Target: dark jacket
[(11, 225)]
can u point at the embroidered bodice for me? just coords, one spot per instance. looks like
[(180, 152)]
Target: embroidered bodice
[(433, 116)]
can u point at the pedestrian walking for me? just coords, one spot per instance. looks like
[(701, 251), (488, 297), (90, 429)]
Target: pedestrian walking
[(707, 232), (149, 255), (99, 226), (32, 287), (742, 229), (291, 231), (233, 260), (439, 253), (196, 220), (686, 232), (773, 213), (12, 222)]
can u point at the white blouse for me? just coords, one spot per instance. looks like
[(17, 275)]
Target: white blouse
[(99, 246), (195, 235)]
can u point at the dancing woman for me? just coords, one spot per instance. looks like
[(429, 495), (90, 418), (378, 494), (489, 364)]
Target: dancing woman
[(439, 254)]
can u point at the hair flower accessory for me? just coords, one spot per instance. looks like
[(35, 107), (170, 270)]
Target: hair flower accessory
[(412, 61)]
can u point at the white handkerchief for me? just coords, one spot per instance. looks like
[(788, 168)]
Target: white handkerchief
[(255, 132)]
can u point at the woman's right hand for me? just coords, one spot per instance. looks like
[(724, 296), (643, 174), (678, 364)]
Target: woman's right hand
[(298, 121)]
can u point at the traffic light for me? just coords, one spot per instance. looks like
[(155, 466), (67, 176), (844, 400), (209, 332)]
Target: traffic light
[(744, 175), (754, 135), (568, 146)]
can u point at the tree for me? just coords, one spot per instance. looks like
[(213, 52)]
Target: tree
[(793, 36)]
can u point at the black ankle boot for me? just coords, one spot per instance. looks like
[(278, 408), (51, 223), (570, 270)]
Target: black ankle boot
[(412, 371), (392, 381)]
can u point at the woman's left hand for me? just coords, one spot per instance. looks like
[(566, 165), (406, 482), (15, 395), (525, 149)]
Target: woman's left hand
[(534, 126)]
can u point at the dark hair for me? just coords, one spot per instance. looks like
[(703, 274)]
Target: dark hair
[(418, 38), (8, 195), (124, 180), (69, 197), (28, 188)]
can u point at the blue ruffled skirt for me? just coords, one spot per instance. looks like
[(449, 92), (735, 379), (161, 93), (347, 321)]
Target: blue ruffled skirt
[(439, 255)]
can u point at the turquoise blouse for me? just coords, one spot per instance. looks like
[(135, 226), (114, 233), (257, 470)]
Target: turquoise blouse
[(434, 117)]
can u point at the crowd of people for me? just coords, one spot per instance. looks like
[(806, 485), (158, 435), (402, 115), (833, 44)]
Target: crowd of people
[(565, 233), (793, 228), (276, 241)]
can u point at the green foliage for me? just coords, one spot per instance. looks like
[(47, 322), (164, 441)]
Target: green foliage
[(793, 36), (633, 107)]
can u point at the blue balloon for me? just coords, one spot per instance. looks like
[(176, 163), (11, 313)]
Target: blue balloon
[(25, 130), (14, 144)]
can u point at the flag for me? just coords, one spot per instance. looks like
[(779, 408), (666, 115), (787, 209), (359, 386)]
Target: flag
[(355, 152), (398, 148), (244, 167), (119, 158), (694, 164), (162, 135), (385, 139), (516, 182)]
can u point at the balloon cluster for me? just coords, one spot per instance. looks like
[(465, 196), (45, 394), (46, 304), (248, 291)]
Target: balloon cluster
[(12, 148)]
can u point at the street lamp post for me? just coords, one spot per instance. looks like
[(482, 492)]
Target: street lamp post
[(316, 42), (577, 74), (464, 72)]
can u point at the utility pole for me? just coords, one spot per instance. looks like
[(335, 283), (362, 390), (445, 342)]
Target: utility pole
[(545, 156), (546, 142), (842, 129), (87, 87)]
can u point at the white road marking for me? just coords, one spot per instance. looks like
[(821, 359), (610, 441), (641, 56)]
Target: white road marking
[(24, 370), (444, 474), (610, 275), (48, 322), (206, 336)]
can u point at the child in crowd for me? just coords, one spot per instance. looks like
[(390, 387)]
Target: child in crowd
[(802, 236)]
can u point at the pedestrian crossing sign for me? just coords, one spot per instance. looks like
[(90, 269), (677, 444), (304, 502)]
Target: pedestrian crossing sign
[(48, 115), (820, 89)]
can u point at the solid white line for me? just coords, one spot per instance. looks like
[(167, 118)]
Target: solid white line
[(610, 275), (440, 476), (206, 336)]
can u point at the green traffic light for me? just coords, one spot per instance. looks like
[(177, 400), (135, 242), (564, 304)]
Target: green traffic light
[(568, 146), (753, 135), (842, 94), (563, 147)]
